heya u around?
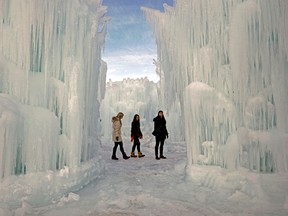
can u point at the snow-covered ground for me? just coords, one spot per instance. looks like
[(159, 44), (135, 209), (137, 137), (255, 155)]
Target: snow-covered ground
[(150, 187)]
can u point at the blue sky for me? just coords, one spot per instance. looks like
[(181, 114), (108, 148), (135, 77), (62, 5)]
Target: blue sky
[(130, 44)]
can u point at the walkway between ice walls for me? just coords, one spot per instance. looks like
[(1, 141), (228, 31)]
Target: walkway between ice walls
[(52, 80), (224, 62), (223, 86)]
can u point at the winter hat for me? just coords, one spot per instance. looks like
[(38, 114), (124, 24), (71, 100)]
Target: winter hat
[(120, 115)]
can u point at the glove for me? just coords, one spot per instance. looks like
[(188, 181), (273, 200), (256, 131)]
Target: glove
[(141, 136), (117, 138), (132, 138), (167, 135)]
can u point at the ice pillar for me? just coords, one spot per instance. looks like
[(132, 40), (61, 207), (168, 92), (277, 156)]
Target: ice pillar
[(239, 49), (51, 68)]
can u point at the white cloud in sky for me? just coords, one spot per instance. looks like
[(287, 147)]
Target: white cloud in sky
[(127, 64)]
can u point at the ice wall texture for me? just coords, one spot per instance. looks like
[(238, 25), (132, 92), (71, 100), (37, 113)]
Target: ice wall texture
[(225, 62), (52, 79), (130, 96)]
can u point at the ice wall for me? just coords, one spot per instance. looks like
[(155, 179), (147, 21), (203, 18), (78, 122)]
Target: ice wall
[(130, 96), (52, 79), (238, 51)]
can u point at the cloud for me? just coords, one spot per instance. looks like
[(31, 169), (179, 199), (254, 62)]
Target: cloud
[(128, 64)]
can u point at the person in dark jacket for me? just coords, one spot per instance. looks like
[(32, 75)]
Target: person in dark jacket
[(136, 134), (160, 132)]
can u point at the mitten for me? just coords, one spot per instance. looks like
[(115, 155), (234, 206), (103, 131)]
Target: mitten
[(132, 138)]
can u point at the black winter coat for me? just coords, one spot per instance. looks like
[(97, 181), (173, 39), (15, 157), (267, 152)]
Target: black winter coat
[(135, 130), (160, 129)]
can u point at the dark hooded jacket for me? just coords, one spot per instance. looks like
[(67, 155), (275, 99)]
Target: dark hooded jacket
[(160, 129)]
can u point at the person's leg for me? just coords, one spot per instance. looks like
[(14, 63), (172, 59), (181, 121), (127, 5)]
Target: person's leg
[(156, 148), (138, 148), (114, 151), (122, 151), (134, 146), (133, 149), (161, 149), (137, 144)]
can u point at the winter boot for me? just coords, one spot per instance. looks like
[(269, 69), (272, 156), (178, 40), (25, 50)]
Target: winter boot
[(133, 154), (114, 157), (161, 153), (125, 157), (140, 154)]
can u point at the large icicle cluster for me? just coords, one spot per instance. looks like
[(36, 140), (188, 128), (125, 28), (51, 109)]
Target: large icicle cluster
[(225, 62), (51, 81), (130, 96)]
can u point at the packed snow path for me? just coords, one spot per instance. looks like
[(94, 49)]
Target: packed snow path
[(145, 186)]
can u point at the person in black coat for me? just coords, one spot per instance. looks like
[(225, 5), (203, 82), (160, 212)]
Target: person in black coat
[(160, 132), (136, 134)]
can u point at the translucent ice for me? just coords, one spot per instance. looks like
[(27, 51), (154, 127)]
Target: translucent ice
[(52, 80), (238, 51)]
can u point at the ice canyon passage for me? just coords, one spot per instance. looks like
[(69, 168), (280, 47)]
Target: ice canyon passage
[(223, 68)]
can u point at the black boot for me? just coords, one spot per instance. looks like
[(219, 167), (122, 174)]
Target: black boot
[(114, 157), (161, 152), (125, 157)]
